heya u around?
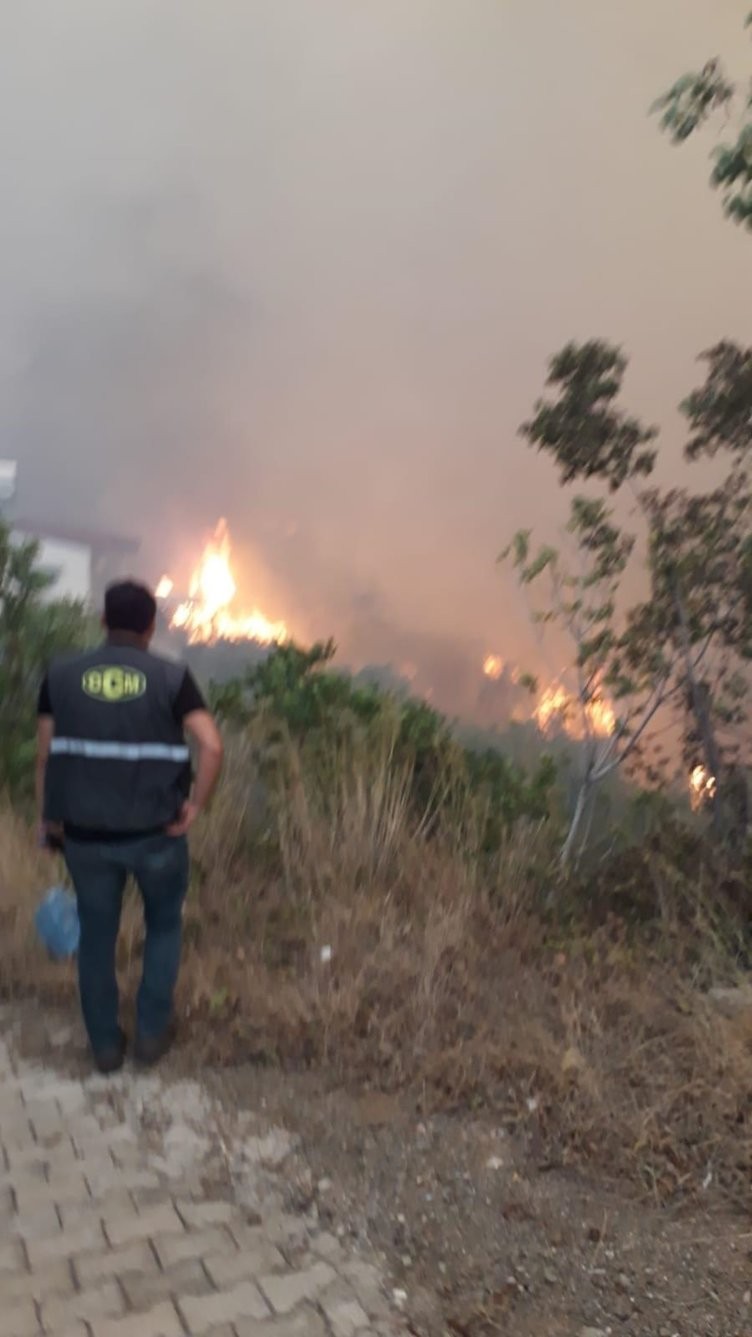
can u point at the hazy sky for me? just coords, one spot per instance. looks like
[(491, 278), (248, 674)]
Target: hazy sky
[(302, 262)]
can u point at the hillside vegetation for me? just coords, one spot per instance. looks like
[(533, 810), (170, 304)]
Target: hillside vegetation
[(376, 899)]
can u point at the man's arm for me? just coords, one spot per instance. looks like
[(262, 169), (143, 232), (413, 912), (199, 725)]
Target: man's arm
[(45, 732), (201, 728)]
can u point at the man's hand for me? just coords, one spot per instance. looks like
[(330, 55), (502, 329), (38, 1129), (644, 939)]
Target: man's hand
[(50, 836), (182, 825), (200, 726)]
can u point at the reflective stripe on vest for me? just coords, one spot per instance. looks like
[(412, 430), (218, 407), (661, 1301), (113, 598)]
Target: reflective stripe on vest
[(92, 750)]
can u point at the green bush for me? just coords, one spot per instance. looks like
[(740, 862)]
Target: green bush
[(33, 630), (298, 697)]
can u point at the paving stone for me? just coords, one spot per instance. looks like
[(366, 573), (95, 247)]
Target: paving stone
[(106, 1229), (18, 1136), (129, 1155), (53, 1280), (20, 1158), (145, 1290), (87, 1306), (11, 1107), (46, 1122), (41, 1223), (135, 1257), (147, 1195), (161, 1219), (248, 1237), (20, 1320), (304, 1323), (362, 1275), (257, 1258), (11, 1256), (192, 1244), (328, 1247), (205, 1312), (59, 1149), (199, 1214), (345, 1315), (162, 1321), (103, 1177), (31, 1191), (66, 1244), (365, 1280), (34, 1173), (25, 1181), (288, 1233), (290, 1289), (117, 1133), (115, 1202)]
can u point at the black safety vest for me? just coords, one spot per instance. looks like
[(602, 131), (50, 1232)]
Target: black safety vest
[(118, 760)]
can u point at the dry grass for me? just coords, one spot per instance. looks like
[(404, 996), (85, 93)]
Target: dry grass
[(25, 872), (330, 929)]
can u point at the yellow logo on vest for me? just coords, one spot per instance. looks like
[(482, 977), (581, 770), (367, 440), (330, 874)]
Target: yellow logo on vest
[(111, 683)]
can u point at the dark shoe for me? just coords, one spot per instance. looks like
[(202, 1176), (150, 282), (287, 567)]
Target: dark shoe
[(111, 1059), (150, 1049)]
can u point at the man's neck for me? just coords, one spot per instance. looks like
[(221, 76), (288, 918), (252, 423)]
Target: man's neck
[(130, 638)]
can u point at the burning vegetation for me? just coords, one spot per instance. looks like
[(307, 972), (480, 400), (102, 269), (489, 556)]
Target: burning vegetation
[(556, 707), (208, 613), (493, 667), (702, 787), (556, 704)]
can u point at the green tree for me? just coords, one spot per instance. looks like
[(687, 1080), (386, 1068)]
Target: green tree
[(608, 669), (693, 101), (700, 565), (688, 644), (583, 426), (32, 631)]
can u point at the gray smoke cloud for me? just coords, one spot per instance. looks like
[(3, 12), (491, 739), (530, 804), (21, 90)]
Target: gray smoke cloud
[(302, 265)]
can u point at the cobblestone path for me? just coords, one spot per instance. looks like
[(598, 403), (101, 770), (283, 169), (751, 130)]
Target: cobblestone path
[(135, 1206)]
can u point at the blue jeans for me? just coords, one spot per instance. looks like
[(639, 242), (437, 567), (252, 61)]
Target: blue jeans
[(160, 866)]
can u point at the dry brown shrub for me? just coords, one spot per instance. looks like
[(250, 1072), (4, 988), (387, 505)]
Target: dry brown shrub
[(373, 946)]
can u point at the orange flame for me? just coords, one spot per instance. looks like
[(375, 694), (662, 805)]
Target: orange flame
[(207, 614), (556, 704), (164, 588), (493, 667), (702, 786)]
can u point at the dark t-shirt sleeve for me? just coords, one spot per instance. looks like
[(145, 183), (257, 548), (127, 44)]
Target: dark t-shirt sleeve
[(44, 703), (188, 699)]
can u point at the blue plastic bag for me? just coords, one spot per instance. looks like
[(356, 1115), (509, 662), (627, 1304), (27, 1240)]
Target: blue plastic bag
[(57, 923)]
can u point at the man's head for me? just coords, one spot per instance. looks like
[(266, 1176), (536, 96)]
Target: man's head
[(130, 610)]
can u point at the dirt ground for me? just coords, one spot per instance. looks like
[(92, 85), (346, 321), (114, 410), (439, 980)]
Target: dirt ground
[(482, 1231), (485, 1237)]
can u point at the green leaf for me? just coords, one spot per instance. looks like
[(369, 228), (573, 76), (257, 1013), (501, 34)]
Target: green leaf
[(545, 558)]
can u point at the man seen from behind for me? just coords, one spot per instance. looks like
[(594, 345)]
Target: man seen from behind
[(114, 775)]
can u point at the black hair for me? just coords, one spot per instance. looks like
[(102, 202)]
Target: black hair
[(129, 606)]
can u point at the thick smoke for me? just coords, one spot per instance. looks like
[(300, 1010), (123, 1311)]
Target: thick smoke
[(302, 265)]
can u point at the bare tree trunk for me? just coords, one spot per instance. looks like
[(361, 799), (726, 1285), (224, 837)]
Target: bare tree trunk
[(577, 816), (700, 710), (591, 809)]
